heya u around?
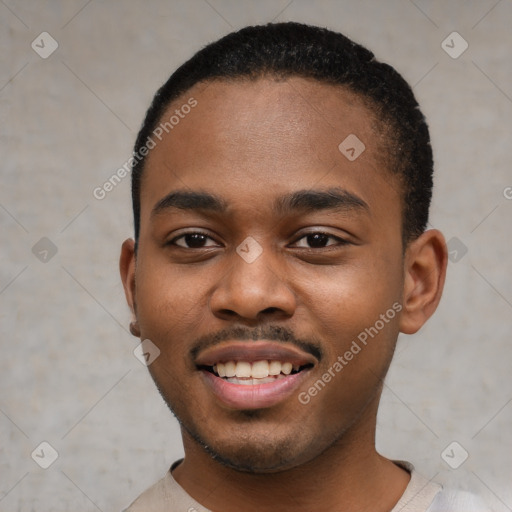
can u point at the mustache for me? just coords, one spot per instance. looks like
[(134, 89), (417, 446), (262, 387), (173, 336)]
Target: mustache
[(263, 332)]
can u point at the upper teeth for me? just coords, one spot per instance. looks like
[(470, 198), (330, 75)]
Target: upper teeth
[(256, 370)]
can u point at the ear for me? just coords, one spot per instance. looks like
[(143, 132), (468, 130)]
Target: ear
[(127, 271), (425, 272)]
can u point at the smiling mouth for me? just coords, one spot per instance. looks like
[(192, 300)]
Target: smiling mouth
[(254, 373)]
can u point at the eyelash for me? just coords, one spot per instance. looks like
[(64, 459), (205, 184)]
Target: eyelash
[(340, 241)]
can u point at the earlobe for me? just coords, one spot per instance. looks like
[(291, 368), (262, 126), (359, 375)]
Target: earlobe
[(127, 271), (424, 276), (134, 328)]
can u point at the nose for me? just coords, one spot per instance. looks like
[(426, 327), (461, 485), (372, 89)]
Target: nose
[(250, 292)]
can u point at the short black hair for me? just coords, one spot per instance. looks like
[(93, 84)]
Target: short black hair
[(293, 49)]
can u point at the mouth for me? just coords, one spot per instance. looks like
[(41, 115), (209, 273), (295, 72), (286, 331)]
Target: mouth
[(253, 375)]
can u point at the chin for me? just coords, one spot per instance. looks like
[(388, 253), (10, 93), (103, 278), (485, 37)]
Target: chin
[(252, 442), (254, 458), (259, 450)]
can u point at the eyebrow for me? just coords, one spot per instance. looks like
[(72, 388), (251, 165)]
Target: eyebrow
[(302, 200), (335, 198), (183, 200)]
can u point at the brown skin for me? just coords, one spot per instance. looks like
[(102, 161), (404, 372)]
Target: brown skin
[(249, 143)]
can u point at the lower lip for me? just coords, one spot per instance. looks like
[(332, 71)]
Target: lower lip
[(257, 396)]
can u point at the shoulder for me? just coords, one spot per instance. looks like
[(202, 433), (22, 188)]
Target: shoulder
[(152, 498), (449, 500), (165, 496), (423, 495)]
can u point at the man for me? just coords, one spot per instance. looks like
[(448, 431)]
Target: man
[(281, 187)]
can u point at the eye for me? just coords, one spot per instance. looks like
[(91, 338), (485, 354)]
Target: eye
[(195, 240), (319, 240)]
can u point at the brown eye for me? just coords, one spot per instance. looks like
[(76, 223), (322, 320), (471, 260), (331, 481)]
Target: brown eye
[(193, 241), (318, 241)]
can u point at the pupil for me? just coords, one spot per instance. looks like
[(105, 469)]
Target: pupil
[(317, 240), (195, 240)]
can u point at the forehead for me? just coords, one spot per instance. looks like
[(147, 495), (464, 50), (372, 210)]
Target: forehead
[(265, 137)]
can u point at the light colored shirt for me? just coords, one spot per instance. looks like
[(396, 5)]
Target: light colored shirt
[(421, 495)]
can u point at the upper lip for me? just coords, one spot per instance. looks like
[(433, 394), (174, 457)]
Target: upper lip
[(252, 351)]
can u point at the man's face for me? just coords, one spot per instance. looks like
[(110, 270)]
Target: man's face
[(304, 286)]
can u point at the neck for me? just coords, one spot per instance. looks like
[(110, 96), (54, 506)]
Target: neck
[(349, 476)]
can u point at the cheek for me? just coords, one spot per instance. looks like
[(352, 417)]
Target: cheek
[(170, 308), (359, 332), (350, 298), (355, 312), (167, 295)]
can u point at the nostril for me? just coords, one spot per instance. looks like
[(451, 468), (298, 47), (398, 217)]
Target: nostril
[(271, 310), (227, 312)]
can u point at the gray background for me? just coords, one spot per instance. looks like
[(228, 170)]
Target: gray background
[(68, 373)]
